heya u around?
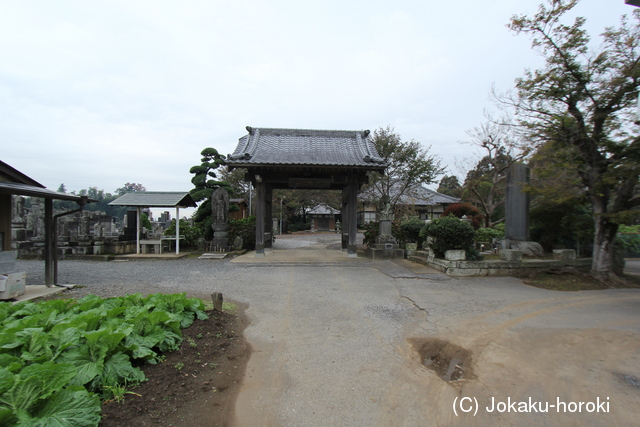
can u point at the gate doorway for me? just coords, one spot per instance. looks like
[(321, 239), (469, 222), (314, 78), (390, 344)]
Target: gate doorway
[(306, 159)]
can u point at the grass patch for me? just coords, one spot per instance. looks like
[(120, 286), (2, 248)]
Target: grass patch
[(577, 282), (227, 307)]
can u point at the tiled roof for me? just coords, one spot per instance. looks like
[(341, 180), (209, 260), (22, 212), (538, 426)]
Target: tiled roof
[(422, 196), (416, 195), (158, 199), (323, 210), (269, 146)]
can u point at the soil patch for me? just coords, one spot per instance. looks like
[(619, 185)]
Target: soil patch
[(450, 361), (194, 386)]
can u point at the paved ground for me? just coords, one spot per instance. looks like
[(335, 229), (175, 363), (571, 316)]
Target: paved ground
[(334, 343)]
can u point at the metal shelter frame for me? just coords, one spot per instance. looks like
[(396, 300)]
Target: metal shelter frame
[(156, 199)]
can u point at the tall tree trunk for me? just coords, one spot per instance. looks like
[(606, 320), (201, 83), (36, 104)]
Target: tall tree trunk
[(603, 244)]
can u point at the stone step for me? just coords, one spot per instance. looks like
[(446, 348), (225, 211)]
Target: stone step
[(421, 254), (418, 259)]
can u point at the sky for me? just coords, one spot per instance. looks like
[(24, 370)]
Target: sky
[(101, 93)]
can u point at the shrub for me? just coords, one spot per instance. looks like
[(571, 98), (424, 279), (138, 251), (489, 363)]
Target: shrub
[(448, 233), (486, 234), (410, 230), (298, 226), (190, 232), (245, 228), (629, 238), (463, 209)]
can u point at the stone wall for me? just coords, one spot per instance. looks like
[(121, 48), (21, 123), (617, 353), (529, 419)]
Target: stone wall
[(496, 267)]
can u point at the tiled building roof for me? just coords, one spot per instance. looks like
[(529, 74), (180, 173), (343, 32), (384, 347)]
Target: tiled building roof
[(422, 196), (270, 146), (323, 210), (416, 195)]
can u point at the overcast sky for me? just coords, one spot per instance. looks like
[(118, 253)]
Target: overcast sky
[(99, 93)]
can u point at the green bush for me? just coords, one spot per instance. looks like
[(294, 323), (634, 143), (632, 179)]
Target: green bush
[(629, 238), (486, 234), (448, 233), (298, 226), (410, 231), (245, 228), (190, 232)]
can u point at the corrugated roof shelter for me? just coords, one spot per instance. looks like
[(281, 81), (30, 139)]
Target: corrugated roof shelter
[(310, 159), (156, 199)]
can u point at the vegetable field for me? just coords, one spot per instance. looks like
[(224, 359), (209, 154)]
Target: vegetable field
[(60, 359)]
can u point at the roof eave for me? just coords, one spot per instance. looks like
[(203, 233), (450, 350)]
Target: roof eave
[(20, 189)]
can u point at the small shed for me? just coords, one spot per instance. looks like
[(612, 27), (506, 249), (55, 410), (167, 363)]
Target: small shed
[(156, 199), (323, 218), (242, 212)]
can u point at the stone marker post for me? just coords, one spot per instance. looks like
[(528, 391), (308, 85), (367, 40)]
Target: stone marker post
[(517, 213), (517, 203)]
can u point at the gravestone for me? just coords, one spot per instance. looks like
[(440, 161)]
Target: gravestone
[(220, 219), (18, 220), (237, 243), (131, 222)]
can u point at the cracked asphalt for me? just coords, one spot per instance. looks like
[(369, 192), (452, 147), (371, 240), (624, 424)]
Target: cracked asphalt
[(332, 343)]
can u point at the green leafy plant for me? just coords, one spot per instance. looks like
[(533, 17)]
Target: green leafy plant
[(245, 228), (117, 393), (629, 238), (486, 234), (57, 358), (190, 232), (410, 230), (448, 233)]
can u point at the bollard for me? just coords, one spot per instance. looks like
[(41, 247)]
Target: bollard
[(217, 300)]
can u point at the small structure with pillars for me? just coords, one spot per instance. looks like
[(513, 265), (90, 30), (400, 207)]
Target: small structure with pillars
[(306, 159)]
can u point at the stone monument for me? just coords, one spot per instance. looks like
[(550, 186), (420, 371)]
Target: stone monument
[(220, 217), (517, 213), (386, 246)]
